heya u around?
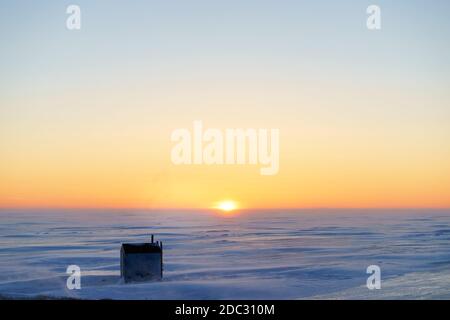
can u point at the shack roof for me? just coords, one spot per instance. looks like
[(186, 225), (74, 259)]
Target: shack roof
[(141, 248)]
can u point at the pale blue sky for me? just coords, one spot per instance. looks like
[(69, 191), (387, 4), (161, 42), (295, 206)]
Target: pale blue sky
[(131, 40)]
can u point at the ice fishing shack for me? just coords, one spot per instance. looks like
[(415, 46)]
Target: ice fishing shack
[(141, 261)]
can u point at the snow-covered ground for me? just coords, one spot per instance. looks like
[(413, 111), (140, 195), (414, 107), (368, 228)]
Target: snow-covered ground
[(414, 285), (252, 255)]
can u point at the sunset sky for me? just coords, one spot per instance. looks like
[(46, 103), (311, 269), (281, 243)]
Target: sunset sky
[(86, 116)]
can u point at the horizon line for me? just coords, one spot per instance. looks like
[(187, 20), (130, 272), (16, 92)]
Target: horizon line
[(215, 209)]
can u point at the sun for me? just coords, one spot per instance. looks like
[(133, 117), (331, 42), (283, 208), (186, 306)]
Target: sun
[(227, 205)]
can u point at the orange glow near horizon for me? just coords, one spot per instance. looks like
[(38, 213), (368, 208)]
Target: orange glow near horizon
[(139, 178)]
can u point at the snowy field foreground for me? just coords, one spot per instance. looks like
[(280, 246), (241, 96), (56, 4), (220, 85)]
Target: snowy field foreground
[(317, 254), (420, 285)]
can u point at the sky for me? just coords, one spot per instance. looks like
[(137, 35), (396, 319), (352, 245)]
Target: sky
[(86, 116)]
